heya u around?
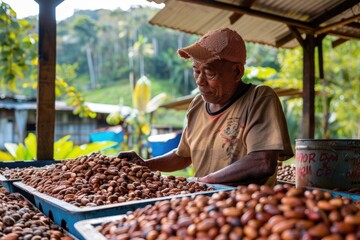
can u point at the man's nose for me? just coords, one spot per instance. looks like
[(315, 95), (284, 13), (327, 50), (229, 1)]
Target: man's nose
[(200, 80)]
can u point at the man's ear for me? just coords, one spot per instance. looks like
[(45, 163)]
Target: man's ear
[(239, 71)]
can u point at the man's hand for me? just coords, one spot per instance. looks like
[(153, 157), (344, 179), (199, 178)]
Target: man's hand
[(132, 157), (195, 179)]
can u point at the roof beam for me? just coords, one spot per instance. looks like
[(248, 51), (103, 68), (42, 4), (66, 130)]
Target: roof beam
[(337, 24), (344, 35), (282, 41), (338, 42), (354, 25), (249, 11), (295, 32), (320, 19), (334, 12), (236, 16)]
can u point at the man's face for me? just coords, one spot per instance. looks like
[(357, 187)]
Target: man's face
[(217, 80)]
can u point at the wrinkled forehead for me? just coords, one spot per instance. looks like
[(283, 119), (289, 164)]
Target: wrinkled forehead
[(214, 64)]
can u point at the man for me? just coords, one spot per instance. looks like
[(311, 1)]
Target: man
[(235, 132)]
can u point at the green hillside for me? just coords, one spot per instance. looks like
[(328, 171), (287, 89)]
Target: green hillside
[(120, 93)]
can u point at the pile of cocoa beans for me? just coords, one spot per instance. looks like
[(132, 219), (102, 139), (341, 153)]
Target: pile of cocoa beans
[(18, 173), (97, 179), (21, 220), (286, 173), (249, 212)]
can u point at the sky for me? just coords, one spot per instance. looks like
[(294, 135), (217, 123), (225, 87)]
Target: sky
[(25, 8)]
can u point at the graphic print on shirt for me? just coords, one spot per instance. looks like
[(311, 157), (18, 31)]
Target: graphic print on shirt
[(230, 136)]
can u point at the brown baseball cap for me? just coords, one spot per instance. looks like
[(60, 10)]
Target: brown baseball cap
[(224, 43)]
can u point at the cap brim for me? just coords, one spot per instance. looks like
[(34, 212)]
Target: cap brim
[(196, 52)]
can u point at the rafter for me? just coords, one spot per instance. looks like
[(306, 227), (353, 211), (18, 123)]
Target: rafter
[(337, 24), (251, 12), (295, 32), (339, 41), (336, 10), (344, 35), (320, 19), (236, 16)]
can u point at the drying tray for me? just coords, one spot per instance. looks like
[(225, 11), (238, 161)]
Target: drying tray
[(353, 196), (66, 215), (285, 182), (9, 183), (87, 228)]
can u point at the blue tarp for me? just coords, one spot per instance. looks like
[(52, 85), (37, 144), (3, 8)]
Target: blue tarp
[(107, 135), (163, 143)]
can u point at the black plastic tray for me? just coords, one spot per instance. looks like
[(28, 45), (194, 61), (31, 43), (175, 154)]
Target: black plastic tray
[(66, 215)]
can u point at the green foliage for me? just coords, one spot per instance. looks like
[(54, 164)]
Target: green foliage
[(144, 105), (341, 89), (18, 56), (180, 71), (113, 93), (140, 49), (63, 90), (262, 56), (337, 95), (63, 149), (17, 49), (258, 75), (122, 42)]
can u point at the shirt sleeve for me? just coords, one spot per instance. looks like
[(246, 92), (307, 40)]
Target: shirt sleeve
[(183, 149), (266, 128)]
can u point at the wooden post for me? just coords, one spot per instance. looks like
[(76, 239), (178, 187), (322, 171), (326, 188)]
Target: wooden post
[(308, 120), (45, 116)]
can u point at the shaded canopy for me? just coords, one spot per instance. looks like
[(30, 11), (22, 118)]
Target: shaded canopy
[(272, 22)]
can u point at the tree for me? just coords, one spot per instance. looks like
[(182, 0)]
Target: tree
[(341, 82), (18, 49), (86, 32), (141, 49), (338, 95), (18, 53), (140, 118), (180, 71)]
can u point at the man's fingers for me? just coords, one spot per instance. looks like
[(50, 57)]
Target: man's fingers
[(193, 179), (127, 155), (131, 157)]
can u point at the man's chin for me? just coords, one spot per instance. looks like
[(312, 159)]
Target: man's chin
[(206, 98)]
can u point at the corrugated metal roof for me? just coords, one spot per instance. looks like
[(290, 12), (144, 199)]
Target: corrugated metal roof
[(197, 17)]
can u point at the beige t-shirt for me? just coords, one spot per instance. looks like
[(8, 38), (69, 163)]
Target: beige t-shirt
[(254, 122)]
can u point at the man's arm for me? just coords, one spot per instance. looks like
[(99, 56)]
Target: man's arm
[(256, 167), (168, 162)]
